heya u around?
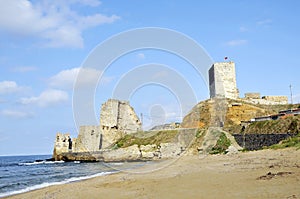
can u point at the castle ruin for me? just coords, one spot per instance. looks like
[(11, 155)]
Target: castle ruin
[(117, 119), (222, 84)]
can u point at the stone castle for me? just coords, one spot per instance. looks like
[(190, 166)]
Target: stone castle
[(117, 119), (222, 84)]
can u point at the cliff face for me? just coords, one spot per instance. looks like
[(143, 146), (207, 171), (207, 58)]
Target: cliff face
[(227, 113), (199, 116)]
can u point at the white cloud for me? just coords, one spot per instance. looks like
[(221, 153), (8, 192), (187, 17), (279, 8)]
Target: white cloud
[(237, 42), (93, 3), (16, 114), (141, 56), (264, 22), (9, 87), (243, 29), (52, 22), (23, 69), (66, 78), (47, 98)]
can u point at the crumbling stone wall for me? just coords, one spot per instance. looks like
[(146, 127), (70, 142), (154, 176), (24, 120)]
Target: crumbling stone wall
[(252, 95), (268, 100), (89, 139), (62, 144), (276, 99), (117, 118)]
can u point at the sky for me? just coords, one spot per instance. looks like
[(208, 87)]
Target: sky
[(46, 44)]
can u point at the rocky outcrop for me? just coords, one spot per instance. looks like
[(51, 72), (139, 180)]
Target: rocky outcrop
[(129, 154), (170, 150), (150, 151)]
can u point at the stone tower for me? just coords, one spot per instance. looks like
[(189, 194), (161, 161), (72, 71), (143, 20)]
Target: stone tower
[(222, 80)]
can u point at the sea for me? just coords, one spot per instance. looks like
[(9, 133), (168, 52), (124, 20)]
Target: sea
[(20, 174)]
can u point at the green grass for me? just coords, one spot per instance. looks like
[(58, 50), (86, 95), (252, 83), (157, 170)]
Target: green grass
[(290, 142), (289, 124), (145, 138), (222, 144)]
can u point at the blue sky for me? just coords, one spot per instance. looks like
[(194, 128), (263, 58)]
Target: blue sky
[(43, 43)]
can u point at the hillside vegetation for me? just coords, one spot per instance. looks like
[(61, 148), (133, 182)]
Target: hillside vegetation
[(146, 138), (230, 112), (290, 142), (289, 124)]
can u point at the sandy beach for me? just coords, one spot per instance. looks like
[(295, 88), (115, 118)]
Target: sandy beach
[(258, 174)]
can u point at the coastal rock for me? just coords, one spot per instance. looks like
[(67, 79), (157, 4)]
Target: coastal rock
[(149, 151), (170, 150), (130, 153)]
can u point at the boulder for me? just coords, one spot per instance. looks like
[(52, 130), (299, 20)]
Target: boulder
[(170, 150), (231, 150)]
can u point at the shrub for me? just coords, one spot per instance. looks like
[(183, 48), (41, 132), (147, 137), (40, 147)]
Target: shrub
[(222, 144)]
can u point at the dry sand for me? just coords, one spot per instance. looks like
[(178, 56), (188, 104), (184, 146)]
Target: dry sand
[(259, 174)]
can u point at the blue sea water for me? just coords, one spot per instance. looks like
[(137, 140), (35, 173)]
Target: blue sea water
[(19, 174)]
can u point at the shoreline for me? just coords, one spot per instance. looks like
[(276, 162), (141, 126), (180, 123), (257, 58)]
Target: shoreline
[(49, 184), (258, 174)]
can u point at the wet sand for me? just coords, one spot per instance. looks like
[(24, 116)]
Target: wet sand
[(258, 174)]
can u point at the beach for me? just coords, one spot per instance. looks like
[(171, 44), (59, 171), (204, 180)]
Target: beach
[(257, 174)]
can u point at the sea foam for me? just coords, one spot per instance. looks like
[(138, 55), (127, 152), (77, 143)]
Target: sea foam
[(47, 184)]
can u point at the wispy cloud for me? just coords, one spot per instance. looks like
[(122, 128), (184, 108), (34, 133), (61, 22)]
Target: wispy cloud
[(54, 23), (24, 69), (141, 56), (65, 79), (16, 114), (237, 42), (243, 29), (264, 22), (7, 87), (47, 98)]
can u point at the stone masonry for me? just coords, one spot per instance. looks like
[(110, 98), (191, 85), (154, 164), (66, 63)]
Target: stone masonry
[(89, 139), (265, 100), (117, 119), (62, 144), (222, 80)]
